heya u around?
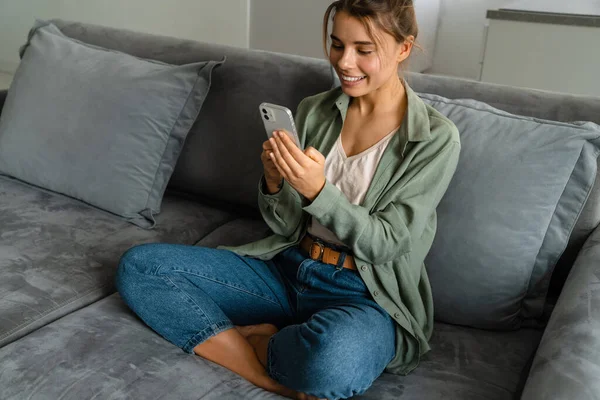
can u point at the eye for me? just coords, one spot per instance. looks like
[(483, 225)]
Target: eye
[(336, 46), (365, 52)]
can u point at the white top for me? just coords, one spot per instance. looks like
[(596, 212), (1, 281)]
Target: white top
[(352, 175)]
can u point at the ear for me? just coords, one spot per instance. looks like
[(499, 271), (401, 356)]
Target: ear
[(405, 48)]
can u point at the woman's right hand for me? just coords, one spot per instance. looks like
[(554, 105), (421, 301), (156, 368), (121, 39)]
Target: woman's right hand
[(272, 176)]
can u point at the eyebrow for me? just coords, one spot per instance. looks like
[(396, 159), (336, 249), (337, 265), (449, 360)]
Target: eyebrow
[(333, 37)]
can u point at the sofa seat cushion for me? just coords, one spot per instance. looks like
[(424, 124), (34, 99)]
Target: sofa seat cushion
[(236, 232), (465, 363), (105, 351), (58, 254)]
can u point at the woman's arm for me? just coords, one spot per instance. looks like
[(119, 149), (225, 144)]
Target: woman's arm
[(408, 205), (282, 211)]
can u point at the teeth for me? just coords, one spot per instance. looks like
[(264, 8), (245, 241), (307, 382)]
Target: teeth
[(352, 78)]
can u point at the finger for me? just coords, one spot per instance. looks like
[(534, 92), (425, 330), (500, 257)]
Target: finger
[(294, 151), (279, 168), (296, 166), (267, 145), (315, 155), (279, 161)]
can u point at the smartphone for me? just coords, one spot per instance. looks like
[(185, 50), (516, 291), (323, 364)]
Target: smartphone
[(278, 118)]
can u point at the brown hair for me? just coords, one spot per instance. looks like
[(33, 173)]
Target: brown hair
[(396, 17)]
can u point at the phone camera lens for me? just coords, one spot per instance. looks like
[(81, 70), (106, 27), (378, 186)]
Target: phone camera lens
[(264, 110), (267, 117)]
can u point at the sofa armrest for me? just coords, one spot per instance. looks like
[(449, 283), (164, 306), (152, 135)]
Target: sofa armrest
[(3, 94), (567, 362)]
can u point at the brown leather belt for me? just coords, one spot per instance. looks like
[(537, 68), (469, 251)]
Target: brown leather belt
[(319, 251)]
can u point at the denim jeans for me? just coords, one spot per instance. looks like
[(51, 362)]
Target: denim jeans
[(334, 339)]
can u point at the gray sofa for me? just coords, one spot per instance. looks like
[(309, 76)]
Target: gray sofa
[(66, 334)]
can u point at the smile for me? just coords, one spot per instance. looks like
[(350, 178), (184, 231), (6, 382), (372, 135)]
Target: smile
[(352, 78)]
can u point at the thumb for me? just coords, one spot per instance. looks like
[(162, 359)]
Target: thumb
[(315, 155)]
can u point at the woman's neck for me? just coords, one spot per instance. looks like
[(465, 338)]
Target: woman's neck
[(388, 97)]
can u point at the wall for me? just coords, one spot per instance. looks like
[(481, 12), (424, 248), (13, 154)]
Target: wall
[(529, 55), (293, 26), (224, 22), (459, 45)]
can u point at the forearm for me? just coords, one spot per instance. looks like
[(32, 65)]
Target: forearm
[(376, 238), (282, 210), (404, 213)]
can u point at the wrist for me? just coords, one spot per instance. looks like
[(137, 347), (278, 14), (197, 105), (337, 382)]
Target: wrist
[(312, 197), (273, 187)]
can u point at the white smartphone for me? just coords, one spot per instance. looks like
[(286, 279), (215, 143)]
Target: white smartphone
[(277, 118)]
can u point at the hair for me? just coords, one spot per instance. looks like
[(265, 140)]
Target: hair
[(395, 17)]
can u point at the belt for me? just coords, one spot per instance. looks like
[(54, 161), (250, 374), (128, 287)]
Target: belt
[(319, 251)]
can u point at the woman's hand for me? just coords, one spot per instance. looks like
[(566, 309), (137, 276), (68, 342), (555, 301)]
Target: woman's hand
[(304, 171), (272, 176)]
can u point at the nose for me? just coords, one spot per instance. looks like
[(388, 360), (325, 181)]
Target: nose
[(346, 62)]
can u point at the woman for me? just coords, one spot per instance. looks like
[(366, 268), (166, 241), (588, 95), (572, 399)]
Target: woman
[(339, 292)]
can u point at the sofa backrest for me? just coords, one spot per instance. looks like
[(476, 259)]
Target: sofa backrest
[(216, 163), (220, 160)]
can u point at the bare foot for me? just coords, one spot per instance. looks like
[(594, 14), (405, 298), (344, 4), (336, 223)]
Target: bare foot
[(258, 336), (259, 329)]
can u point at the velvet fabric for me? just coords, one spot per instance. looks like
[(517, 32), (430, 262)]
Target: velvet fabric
[(58, 254), (104, 351)]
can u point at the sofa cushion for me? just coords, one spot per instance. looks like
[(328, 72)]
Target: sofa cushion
[(236, 233), (532, 103), (221, 156), (105, 351), (58, 254), (508, 214), (98, 125)]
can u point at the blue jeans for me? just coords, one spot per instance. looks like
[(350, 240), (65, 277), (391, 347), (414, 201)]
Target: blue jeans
[(334, 339)]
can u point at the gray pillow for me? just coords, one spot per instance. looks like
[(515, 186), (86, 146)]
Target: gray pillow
[(506, 218), (98, 125)]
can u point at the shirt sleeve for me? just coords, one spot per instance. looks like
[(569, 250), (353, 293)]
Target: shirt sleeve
[(388, 233), (282, 211)]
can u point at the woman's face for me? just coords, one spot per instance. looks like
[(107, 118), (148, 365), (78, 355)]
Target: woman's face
[(362, 65)]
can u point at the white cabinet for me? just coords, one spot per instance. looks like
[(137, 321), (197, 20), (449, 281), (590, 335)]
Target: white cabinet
[(543, 50)]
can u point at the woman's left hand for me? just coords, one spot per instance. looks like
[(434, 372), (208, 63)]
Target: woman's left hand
[(304, 170)]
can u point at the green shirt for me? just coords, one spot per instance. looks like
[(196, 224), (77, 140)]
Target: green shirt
[(392, 231)]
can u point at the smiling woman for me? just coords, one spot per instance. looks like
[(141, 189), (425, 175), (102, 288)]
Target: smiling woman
[(339, 293)]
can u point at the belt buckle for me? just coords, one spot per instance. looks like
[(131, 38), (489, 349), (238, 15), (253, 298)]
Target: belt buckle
[(321, 250)]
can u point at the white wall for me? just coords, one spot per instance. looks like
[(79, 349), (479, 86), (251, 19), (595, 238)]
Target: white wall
[(223, 22), (288, 26), (459, 45), (294, 26), (542, 56)]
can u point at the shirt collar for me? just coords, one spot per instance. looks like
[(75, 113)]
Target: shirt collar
[(416, 121)]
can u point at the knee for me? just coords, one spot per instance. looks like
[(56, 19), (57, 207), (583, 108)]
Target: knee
[(325, 368), (134, 263)]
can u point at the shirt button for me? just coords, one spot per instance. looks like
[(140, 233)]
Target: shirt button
[(364, 268), (376, 293), (397, 315), (271, 201)]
